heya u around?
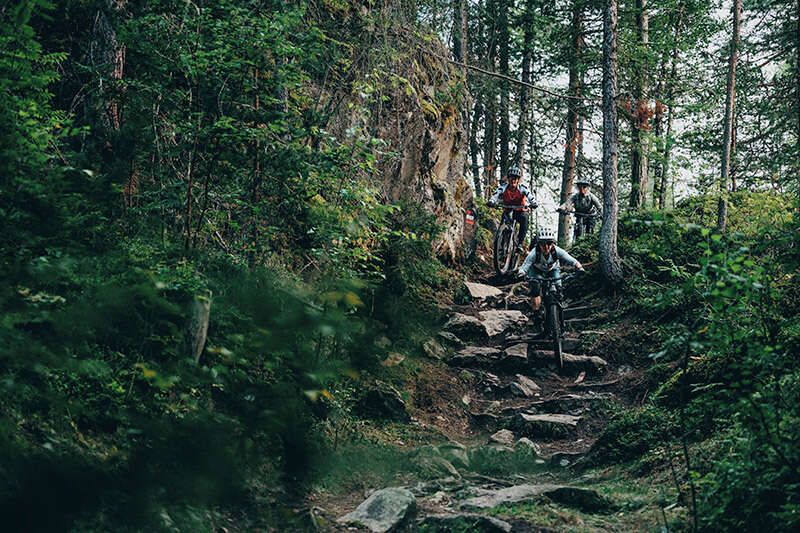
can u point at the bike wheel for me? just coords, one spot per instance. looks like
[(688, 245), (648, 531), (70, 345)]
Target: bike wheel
[(501, 248), (553, 324)]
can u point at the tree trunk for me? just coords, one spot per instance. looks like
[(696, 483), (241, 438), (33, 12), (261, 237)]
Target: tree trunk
[(473, 144), (609, 258), (505, 122), (641, 112), (527, 45), (658, 127), (727, 133), (490, 118), (670, 98), (460, 30), (573, 134)]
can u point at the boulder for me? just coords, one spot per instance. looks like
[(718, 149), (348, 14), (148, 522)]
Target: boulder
[(433, 349), (526, 443), (431, 464), (486, 499), (455, 453), (480, 291), (450, 339), (504, 436), (519, 351), (476, 356), (497, 322), (524, 386), (383, 403), (586, 500), (465, 326), (383, 511)]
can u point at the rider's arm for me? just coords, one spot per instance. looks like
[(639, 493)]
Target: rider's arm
[(495, 199), (596, 202), (567, 206), (529, 195), (564, 256), (528, 263)]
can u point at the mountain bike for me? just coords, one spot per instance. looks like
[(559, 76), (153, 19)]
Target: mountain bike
[(583, 222), (554, 312), (506, 239)]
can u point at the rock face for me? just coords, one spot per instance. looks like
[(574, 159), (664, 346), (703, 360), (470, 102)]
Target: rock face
[(465, 326), (384, 510)]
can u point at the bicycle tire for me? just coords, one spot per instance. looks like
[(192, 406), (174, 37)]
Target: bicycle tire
[(555, 333), (500, 246)]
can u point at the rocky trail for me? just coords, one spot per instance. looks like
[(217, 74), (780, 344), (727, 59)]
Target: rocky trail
[(521, 469)]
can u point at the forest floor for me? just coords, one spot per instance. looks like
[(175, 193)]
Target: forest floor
[(501, 437)]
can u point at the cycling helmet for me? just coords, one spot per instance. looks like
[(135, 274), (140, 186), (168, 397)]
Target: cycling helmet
[(546, 234), (514, 172), (582, 183)]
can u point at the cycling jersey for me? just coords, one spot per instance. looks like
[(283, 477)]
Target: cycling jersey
[(512, 195)]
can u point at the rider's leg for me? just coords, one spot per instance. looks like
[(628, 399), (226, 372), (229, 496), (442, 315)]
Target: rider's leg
[(522, 219), (535, 291), (590, 224)]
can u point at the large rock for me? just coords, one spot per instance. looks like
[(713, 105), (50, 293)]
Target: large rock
[(479, 291), (450, 338), (465, 326), (445, 523), (504, 436), (456, 453), (501, 321), (476, 356), (486, 499), (518, 351), (383, 403), (524, 386), (434, 349), (430, 464), (546, 425), (587, 500), (383, 511)]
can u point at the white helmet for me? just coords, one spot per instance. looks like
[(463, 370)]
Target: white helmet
[(546, 234)]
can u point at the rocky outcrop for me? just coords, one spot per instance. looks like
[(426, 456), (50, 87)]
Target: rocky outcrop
[(414, 120)]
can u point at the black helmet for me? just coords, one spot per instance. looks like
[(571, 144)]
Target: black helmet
[(514, 172), (582, 183)]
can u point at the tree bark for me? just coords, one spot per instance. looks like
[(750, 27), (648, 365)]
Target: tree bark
[(573, 133), (658, 126), (727, 126), (609, 258), (527, 52), (670, 98), (490, 118), (473, 144), (505, 122), (641, 112)]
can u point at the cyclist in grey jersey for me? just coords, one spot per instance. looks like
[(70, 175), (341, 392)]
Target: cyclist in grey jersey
[(542, 262)]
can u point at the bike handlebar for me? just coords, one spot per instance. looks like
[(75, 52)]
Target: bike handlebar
[(515, 206), (582, 215)]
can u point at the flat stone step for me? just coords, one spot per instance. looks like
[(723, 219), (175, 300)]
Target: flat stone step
[(569, 344), (572, 362), (480, 291), (587, 500), (554, 425)]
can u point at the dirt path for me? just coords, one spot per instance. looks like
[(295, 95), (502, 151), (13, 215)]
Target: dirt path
[(532, 425)]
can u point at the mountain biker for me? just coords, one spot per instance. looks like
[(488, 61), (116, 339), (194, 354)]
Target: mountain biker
[(582, 202), (542, 262), (514, 193)]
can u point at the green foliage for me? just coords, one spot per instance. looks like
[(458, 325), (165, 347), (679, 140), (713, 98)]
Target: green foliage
[(727, 309)]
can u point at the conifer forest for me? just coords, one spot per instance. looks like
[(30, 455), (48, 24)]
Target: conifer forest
[(400, 265)]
